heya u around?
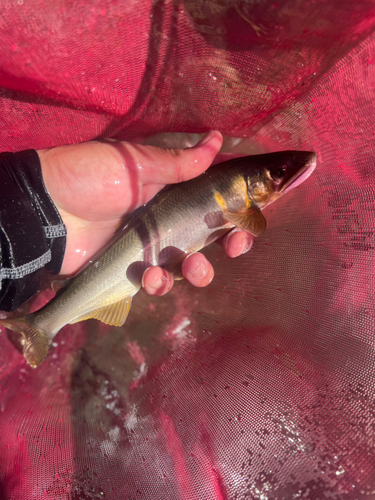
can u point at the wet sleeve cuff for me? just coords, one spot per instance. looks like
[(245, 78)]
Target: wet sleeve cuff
[(32, 233)]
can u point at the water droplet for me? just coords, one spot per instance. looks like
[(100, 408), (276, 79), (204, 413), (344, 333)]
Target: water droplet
[(340, 471)]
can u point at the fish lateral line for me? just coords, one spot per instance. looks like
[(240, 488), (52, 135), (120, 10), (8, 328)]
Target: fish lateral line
[(246, 185)]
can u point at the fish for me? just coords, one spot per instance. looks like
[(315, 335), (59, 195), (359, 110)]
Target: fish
[(181, 219)]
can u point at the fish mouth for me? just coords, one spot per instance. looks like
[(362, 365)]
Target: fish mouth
[(302, 174)]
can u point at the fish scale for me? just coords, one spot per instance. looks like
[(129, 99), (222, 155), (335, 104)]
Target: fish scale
[(181, 219)]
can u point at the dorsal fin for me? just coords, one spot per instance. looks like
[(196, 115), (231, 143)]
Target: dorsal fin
[(114, 314)]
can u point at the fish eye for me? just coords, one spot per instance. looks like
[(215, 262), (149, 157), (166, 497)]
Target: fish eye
[(281, 171), (279, 174)]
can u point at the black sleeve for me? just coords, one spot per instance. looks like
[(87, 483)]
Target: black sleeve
[(32, 233)]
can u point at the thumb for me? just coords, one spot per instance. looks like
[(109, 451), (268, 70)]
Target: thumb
[(170, 166)]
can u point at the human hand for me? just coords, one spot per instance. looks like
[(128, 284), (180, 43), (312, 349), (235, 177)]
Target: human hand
[(94, 184)]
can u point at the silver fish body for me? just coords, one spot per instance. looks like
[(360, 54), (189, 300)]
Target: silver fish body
[(180, 220)]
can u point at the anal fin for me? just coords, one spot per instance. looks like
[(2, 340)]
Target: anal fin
[(114, 314)]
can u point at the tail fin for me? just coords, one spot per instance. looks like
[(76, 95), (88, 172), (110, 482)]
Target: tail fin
[(36, 343)]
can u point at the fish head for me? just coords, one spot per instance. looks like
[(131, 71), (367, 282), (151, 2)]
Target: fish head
[(275, 174)]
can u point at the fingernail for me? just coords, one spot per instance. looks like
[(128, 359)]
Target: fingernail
[(157, 284), (155, 278), (227, 237), (199, 269), (206, 138), (248, 243)]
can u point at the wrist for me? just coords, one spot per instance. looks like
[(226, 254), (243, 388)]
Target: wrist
[(33, 233)]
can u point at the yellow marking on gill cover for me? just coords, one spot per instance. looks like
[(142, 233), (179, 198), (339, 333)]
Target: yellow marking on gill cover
[(248, 201), (238, 186), (221, 202)]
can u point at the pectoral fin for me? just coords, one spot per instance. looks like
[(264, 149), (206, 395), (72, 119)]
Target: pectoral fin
[(115, 314), (252, 220)]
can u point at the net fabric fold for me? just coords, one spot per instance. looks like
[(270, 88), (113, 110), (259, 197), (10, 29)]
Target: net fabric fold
[(262, 385)]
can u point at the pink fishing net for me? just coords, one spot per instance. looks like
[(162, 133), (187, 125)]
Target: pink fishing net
[(262, 385)]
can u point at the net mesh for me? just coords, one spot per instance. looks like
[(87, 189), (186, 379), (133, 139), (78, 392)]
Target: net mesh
[(262, 385)]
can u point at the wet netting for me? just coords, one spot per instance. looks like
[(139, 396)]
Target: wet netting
[(262, 385)]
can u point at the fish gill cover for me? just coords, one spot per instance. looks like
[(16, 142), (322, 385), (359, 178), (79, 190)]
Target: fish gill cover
[(262, 385)]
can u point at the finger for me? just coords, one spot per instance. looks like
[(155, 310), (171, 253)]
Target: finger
[(197, 270), (157, 281), (169, 166), (238, 242)]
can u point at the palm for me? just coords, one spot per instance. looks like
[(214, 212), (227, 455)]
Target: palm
[(95, 184)]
